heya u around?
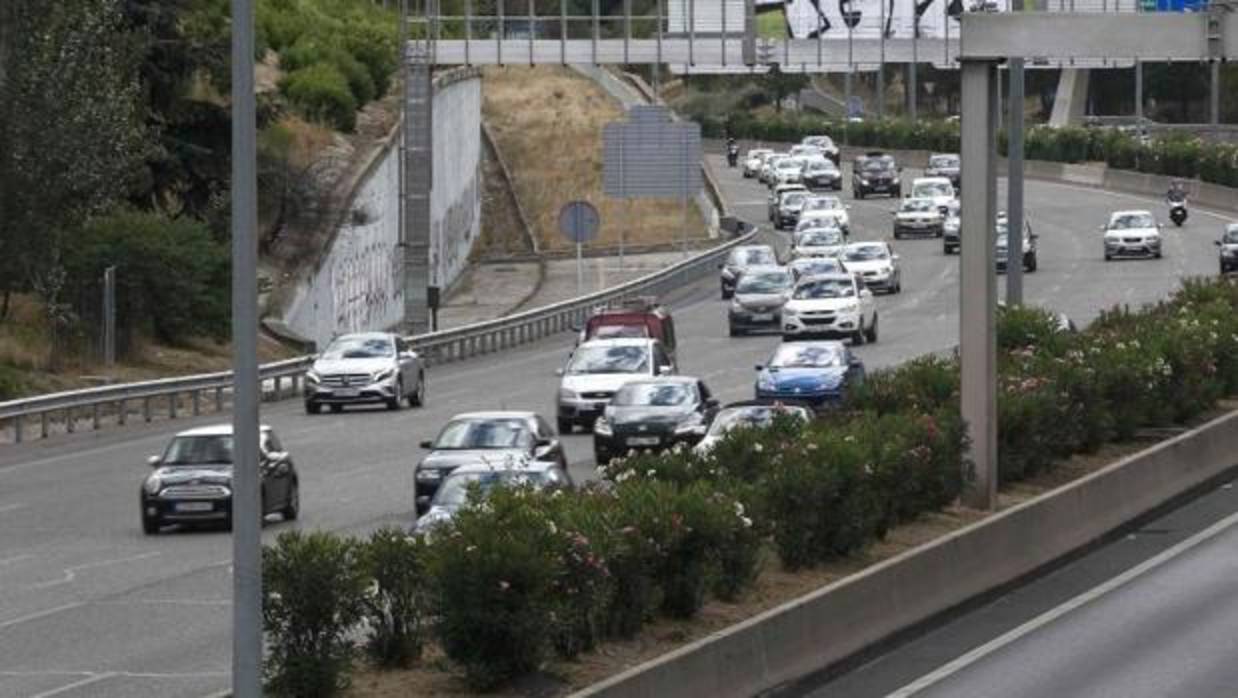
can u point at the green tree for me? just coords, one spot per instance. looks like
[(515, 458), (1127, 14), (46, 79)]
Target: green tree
[(70, 129), (779, 85)]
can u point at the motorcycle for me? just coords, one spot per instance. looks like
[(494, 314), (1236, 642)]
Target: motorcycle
[(732, 155), (1177, 212)]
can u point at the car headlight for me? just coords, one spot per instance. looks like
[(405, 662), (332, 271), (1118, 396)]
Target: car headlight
[(692, 425), (849, 308), (1227, 252), (312, 376), (152, 485), (565, 394), (864, 182), (894, 181), (765, 382), (383, 375), (429, 475), (602, 427), (789, 311), (736, 305)]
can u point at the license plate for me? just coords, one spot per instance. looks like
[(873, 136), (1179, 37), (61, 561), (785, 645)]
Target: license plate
[(643, 441), (346, 392), (763, 317), (194, 506)]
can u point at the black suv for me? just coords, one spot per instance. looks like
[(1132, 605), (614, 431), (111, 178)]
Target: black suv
[(874, 173), (654, 415)]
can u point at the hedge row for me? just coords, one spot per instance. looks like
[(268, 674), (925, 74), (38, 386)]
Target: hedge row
[(337, 55), (1178, 155), (522, 576)]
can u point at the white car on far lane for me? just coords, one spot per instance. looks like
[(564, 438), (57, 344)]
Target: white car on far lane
[(755, 160), (818, 242), (1132, 234)]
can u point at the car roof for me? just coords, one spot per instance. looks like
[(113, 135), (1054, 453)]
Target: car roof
[(215, 430), (837, 343), (620, 342), (918, 199), (1130, 212), (757, 269), (831, 276), (497, 414), (865, 243), (930, 180), (514, 465), (364, 335), (683, 380), (752, 247)]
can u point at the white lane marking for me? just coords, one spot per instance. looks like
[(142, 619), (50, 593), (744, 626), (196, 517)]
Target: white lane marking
[(76, 684), (16, 558), (70, 573), (119, 674), (1074, 604), (4, 509), (41, 614), (167, 602)]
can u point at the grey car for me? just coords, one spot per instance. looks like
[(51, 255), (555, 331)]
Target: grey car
[(759, 296), (365, 368), (741, 259), (1228, 248)]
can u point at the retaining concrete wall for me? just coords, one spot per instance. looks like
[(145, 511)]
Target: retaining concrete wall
[(837, 621), (357, 283)]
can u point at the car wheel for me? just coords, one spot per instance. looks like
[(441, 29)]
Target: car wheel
[(336, 409), (1158, 254), (292, 508), (859, 194), (397, 401), (734, 331), (726, 295), (898, 235), (150, 525), (565, 425), (418, 398), (871, 334), (601, 457), (1108, 256), (1031, 266), (857, 337), (312, 407)]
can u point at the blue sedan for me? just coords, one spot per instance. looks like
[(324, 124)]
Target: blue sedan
[(816, 372)]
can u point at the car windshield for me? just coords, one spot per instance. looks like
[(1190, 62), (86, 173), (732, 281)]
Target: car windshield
[(811, 267), (455, 489), (199, 450), (823, 142), (825, 288), (754, 154), (823, 204), (864, 253), (1128, 221), (751, 418), (788, 164), (795, 198), (822, 166), (753, 256), (764, 282), (805, 355), (359, 348), (932, 189), (820, 238), (876, 166), (944, 161), (484, 433), (620, 332), (621, 359), (918, 206), (653, 395)]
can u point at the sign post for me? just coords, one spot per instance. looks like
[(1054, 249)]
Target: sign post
[(579, 222)]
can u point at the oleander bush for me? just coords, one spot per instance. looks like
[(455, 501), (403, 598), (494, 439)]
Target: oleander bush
[(519, 577)]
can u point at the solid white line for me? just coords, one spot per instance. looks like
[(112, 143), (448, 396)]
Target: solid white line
[(76, 684), (16, 558), (11, 507), (41, 614), (1051, 615)]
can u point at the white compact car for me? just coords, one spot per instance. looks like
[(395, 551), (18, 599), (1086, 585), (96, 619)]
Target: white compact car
[(833, 305), (1132, 234), (754, 161), (828, 207), (939, 189), (918, 217), (597, 369), (876, 262)]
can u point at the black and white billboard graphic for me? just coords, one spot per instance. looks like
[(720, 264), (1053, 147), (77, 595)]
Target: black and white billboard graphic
[(866, 19)]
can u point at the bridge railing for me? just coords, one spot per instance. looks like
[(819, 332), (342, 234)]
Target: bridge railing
[(193, 395)]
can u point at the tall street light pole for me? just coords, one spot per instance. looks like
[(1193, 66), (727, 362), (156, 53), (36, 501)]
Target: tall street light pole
[(246, 542)]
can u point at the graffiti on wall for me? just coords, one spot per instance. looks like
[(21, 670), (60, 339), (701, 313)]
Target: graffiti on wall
[(454, 233), (365, 289)]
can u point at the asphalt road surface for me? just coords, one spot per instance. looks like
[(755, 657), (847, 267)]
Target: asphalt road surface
[(91, 607)]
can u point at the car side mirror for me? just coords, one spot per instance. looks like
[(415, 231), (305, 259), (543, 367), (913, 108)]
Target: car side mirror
[(665, 369), (759, 367), (1217, 243), (847, 206), (423, 500), (894, 257), (278, 456), (558, 372), (855, 362), (721, 266), (154, 461), (427, 445), (713, 403)]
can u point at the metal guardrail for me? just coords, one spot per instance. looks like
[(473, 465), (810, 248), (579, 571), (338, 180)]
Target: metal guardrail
[(99, 405)]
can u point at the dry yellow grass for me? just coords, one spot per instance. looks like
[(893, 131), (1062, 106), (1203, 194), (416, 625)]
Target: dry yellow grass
[(548, 122)]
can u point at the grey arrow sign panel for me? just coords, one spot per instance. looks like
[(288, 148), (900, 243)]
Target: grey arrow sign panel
[(649, 156)]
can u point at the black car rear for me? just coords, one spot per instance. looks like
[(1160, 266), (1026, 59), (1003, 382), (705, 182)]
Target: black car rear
[(654, 415), (875, 173)]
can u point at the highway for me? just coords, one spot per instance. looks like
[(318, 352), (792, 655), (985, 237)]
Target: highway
[(91, 607)]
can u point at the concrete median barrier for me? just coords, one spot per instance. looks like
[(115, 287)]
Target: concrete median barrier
[(833, 623)]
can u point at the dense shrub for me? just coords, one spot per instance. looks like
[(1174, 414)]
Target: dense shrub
[(397, 604), (493, 575), (322, 92), (172, 277), (312, 587), (924, 384)]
